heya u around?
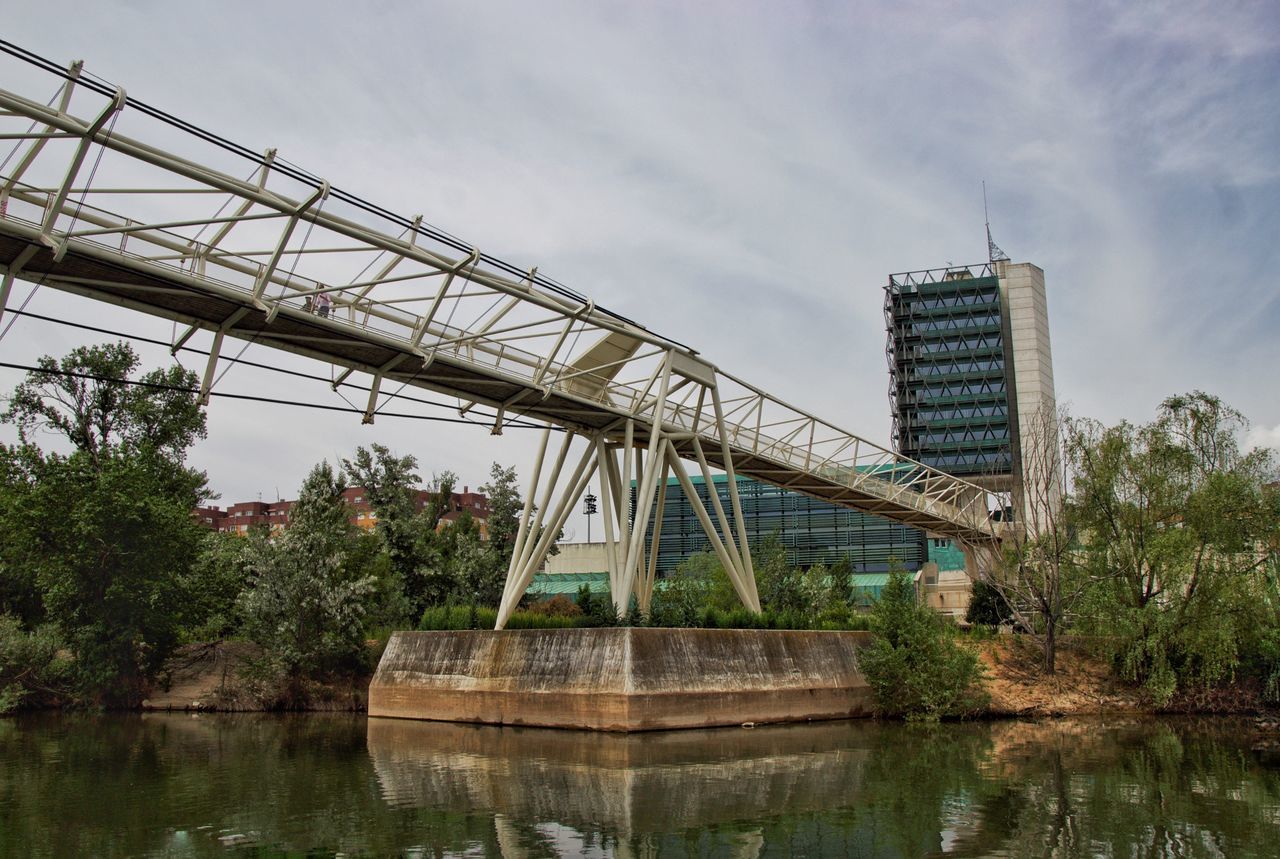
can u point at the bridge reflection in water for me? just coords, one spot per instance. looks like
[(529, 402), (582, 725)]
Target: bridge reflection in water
[(623, 785), (641, 782), (1073, 788)]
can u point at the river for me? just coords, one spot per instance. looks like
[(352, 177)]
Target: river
[(267, 785)]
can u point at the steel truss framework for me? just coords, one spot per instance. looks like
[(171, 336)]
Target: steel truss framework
[(222, 240)]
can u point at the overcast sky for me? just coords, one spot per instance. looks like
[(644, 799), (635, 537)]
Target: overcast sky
[(742, 177)]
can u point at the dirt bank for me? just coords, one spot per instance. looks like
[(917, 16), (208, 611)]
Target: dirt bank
[(213, 676), (1081, 685)]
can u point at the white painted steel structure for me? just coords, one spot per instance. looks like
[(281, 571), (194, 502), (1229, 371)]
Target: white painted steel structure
[(108, 198)]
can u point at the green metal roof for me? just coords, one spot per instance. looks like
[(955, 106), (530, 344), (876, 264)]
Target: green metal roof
[(870, 580), (554, 584)]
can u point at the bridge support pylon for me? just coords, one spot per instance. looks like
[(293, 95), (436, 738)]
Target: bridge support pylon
[(617, 457)]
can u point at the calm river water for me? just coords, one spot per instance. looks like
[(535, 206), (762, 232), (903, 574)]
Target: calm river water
[(184, 785)]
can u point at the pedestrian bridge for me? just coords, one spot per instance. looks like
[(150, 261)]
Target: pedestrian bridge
[(107, 197)]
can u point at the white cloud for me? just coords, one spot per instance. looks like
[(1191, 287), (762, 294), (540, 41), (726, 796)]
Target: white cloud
[(1260, 436)]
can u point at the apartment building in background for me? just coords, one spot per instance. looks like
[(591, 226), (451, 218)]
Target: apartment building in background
[(241, 517)]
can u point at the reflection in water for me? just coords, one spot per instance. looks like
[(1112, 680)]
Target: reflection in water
[(627, 783), (178, 785)]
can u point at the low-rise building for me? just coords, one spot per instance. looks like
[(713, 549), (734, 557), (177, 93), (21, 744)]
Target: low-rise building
[(239, 518)]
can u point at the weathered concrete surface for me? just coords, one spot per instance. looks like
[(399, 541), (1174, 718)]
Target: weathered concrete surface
[(626, 784), (623, 679)]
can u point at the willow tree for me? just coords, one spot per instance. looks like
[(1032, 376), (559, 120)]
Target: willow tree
[(1176, 523)]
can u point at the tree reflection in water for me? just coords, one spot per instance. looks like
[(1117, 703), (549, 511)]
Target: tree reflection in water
[(194, 786)]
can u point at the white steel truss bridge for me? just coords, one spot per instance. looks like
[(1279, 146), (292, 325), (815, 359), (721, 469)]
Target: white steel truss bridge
[(109, 198)]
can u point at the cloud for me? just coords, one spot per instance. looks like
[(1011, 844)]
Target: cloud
[(1261, 436)]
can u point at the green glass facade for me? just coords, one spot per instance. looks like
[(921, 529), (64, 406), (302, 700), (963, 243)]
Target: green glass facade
[(812, 531), (947, 359)]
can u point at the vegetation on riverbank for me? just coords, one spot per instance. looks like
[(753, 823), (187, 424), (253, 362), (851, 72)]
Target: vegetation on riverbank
[(1159, 548)]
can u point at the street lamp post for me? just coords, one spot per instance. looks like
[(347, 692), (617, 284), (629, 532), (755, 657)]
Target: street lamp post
[(589, 508)]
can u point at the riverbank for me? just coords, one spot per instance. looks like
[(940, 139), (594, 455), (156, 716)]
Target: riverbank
[(211, 677), (216, 677)]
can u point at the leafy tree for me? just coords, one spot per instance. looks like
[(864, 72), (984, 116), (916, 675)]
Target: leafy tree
[(681, 598), (505, 507), (390, 483), (503, 526), (914, 666), (213, 583), (87, 398), (1177, 524), (308, 596), (987, 605), (31, 667), (787, 590), (98, 541)]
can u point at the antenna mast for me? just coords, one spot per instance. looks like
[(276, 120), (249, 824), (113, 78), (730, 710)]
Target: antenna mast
[(993, 250)]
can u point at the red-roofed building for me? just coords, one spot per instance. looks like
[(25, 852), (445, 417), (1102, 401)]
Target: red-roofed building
[(239, 518)]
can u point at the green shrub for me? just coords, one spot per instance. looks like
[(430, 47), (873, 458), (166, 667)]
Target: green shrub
[(531, 620), (557, 606), (31, 671), (458, 617), (914, 665), (987, 606), (462, 617)]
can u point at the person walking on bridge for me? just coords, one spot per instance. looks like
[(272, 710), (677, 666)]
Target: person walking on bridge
[(323, 302)]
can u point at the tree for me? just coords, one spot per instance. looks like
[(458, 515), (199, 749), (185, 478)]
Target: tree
[(88, 398), (390, 483), (31, 666), (505, 507), (780, 586), (987, 605), (214, 581), (1177, 525), (681, 598), (98, 541), (503, 526), (914, 666), (306, 601), (1038, 578)]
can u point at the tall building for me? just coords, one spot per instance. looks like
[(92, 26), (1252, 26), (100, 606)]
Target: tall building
[(970, 366)]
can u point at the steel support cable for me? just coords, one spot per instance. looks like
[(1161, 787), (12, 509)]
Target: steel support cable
[(102, 148), (283, 286), (16, 313), (343, 397), (195, 240), (30, 128), (404, 385), (251, 397), (196, 351), (308, 179)]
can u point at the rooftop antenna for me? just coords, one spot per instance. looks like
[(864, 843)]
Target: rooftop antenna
[(993, 250)]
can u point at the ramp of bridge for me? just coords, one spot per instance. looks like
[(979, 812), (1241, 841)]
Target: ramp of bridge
[(109, 198)]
